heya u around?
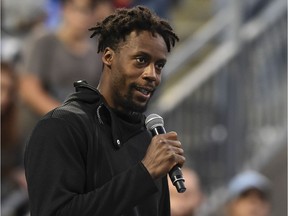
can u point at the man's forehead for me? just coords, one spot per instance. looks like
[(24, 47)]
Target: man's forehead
[(145, 40)]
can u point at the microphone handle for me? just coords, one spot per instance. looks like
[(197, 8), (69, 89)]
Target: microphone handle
[(158, 130), (175, 173), (177, 179)]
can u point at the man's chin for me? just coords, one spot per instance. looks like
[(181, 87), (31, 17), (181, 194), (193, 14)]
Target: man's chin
[(138, 107)]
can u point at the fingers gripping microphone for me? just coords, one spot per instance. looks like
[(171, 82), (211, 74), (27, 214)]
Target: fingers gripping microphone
[(155, 124)]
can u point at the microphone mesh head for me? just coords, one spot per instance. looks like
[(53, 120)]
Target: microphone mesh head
[(154, 120)]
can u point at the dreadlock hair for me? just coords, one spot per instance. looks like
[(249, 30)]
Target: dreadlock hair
[(114, 28)]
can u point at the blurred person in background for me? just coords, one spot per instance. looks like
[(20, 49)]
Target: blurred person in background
[(249, 195), (186, 204), (59, 58), (12, 172)]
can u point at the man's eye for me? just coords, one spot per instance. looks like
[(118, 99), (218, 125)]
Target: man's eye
[(160, 66), (141, 60)]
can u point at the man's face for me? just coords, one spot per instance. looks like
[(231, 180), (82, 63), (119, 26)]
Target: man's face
[(135, 71), (251, 203)]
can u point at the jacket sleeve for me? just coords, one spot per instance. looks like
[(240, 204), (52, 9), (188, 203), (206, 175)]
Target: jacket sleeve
[(56, 176)]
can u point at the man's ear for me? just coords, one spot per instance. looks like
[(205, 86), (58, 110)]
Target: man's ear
[(108, 56)]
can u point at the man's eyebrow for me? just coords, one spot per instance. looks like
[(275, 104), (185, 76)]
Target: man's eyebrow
[(146, 54), (142, 53)]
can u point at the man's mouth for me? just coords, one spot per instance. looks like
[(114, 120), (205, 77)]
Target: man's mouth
[(145, 90)]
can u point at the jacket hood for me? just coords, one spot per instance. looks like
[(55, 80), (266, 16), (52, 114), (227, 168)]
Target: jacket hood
[(123, 125), (85, 93)]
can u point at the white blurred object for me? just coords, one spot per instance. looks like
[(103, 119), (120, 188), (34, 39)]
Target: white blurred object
[(10, 48), (16, 12)]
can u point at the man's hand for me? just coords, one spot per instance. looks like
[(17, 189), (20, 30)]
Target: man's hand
[(163, 153)]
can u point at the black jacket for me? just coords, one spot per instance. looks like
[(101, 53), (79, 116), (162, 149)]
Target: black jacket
[(85, 159)]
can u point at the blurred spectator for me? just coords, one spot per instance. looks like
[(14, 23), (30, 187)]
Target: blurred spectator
[(249, 195), (187, 203), (12, 173), (58, 59)]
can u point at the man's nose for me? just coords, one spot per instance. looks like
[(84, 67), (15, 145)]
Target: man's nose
[(150, 73)]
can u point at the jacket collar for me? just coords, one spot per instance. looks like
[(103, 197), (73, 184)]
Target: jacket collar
[(123, 125)]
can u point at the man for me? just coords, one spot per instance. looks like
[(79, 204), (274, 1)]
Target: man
[(93, 155), (188, 203), (249, 195)]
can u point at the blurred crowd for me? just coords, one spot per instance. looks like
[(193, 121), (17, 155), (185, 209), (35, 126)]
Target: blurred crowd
[(45, 48)]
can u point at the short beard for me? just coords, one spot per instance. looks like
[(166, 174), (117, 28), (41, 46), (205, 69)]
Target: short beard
[(127, 102)]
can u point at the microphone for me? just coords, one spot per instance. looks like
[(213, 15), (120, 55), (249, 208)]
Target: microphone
[(155, 124)]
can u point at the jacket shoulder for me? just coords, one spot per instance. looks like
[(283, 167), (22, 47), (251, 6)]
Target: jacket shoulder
[(76, 114)]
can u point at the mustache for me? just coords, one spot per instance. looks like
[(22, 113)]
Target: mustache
[(149, 87)]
